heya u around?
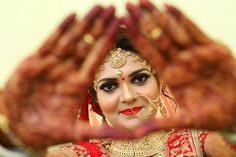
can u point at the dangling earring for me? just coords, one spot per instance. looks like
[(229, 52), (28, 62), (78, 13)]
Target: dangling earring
[(78, 115), (163, 110), (158, 105)]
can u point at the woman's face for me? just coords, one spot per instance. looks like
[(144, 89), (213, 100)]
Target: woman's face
[(117, 94)]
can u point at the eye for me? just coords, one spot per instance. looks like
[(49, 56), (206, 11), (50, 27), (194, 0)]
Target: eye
[(140, 78), (108, 86)]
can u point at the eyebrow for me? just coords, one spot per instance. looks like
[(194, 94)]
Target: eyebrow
[(130, 75), (137, 71)]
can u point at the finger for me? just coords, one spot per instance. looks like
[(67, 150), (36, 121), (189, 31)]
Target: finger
[(212, 53), (193, 30), (180, 121), (34, 66), (47, 47), (59, 44), (152, 31), (87, 132), (93, 34), (172, 27), (100, 50), (70, 39), (181, 72), (60, 70), (145, 47), (154, 125), (81, 80), (195, 63), (65, 67)]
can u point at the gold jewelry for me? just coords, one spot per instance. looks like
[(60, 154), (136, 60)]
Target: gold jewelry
[(89, 39), (156, 103), (155, 33), (152, 144), (144, 115), (78, 115), (5, 128), (4, 124), (229, 136), (117, 59)]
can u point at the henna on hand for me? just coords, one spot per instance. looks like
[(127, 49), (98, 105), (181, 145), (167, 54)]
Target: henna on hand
[(46, 91), (198, 70)]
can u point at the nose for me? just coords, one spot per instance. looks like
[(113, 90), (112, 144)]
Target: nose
[(127, 95)]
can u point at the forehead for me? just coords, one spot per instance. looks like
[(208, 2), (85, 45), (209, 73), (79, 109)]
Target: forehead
[(129, 66)]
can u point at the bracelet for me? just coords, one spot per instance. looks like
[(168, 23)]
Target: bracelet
[(229, 136), (4, 127)]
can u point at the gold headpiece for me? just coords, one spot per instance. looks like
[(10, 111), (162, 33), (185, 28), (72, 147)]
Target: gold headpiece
[(117, 58)]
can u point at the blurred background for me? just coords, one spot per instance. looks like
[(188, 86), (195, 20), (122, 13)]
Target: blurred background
[(25, 24)]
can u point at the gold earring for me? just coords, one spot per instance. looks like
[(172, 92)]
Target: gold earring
[(78, 115), (163, 110)]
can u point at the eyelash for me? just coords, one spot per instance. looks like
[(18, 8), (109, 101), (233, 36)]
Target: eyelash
[(138, 79), (105, 86)]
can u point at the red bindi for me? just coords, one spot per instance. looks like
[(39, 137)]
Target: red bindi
[(122, 78)]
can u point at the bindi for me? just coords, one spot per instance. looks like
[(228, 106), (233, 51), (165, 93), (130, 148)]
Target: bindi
[(122, 78), (117, 58)]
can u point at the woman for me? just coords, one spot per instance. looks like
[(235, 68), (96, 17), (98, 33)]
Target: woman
[(126, 92), (51, 85)]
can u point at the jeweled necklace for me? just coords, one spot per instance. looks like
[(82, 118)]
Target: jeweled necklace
[(150, 145)]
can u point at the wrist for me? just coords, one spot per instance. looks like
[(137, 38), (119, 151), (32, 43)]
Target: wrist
[(229, 135), (230, 138), (5, 129)]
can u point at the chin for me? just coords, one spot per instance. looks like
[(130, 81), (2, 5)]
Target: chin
[(132, 124)]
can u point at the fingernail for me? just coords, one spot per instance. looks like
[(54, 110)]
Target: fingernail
[(146, 4), (134, 11), (108, 14), (130, 26), (173, 10), (93, 13), (113, 28), (66, 23)]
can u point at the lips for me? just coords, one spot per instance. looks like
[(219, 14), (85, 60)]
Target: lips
[(132, 111)]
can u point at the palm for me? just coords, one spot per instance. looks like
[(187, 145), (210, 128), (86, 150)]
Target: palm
[(203, 88), (46, 91), (199, 71)]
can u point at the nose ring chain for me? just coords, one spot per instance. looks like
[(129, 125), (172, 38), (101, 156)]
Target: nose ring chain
[(153, 104)]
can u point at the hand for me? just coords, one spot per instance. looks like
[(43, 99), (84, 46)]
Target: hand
[(45, 93), (199, 71)]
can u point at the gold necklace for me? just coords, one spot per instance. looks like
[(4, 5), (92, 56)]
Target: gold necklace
[(152, 144)]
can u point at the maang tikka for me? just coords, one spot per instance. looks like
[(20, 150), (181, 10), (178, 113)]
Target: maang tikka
[(117, 58)]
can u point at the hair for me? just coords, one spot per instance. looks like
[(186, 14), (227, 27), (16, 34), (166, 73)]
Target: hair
[(124, 43)]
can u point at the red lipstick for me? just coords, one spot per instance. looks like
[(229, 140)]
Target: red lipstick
[(131, 111)]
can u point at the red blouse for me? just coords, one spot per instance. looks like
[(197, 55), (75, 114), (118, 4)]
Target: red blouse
[(181, 143)]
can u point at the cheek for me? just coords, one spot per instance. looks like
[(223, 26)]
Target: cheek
[(151, 89), (107, 103)]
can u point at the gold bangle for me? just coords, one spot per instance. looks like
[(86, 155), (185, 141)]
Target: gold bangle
[(4, 124), (229, 136), (4, 127)]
